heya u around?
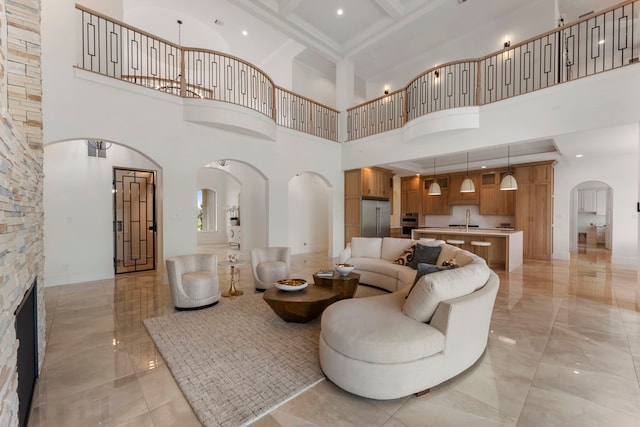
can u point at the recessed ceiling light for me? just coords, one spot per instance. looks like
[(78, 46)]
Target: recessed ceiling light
[(340, 12), (579, 155), (601, 42), (244, 32), (483, 167)]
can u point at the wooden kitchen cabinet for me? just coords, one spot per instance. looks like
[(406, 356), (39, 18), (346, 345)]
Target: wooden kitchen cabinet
[(359, 183), (376, 182), (409, 194), (458, 198), (534, 209), (436, 205), (493, 201)]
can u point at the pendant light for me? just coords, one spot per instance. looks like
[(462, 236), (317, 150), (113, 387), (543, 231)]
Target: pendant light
[(467, 184), (434, 188), (508, 182)]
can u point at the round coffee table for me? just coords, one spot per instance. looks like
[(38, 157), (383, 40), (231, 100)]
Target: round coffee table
[(345, 286), (300, 306)]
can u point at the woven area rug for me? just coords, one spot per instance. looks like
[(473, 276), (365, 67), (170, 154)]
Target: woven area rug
[(237, 360)]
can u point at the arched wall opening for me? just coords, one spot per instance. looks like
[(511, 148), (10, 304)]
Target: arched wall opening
[(242, 192), (591, 216), (78, 210)]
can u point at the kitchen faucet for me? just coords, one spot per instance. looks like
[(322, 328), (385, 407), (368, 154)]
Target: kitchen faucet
[(467, 219)]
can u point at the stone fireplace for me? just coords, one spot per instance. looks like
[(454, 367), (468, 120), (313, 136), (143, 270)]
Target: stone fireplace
[(21, 215), (26, 322)]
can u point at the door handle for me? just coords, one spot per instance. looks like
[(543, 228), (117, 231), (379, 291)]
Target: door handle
[(152, 227)]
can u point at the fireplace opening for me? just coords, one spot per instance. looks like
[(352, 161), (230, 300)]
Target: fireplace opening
[(26, 321)]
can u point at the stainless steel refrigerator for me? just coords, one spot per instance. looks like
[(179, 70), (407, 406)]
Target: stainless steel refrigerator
[(375, 218)]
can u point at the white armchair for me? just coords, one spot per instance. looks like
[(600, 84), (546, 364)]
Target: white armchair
[(270, 265), (193, 280)]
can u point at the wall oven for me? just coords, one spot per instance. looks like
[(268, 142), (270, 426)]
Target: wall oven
[(409, 222)]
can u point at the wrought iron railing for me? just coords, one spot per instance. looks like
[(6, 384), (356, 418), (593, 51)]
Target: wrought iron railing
[(451, 85), (592, 45), (380, 115), (118, 50), (297, 112)]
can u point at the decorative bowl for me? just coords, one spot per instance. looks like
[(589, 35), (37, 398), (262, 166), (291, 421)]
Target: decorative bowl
[(291, 284), (344, 269)]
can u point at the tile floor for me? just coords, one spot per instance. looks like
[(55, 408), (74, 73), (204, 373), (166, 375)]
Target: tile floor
[(564, 350)]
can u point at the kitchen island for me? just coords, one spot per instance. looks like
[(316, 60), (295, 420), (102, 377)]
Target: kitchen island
[(506, 245)]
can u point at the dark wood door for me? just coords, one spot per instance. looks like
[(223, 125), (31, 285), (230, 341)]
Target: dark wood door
[(134, 220)]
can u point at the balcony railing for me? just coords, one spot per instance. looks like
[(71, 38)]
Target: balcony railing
[(117, 50), (592, 45)]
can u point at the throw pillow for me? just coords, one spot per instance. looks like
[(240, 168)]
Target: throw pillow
[(425, 297), (407, 256), (424, 254), (424, 268)]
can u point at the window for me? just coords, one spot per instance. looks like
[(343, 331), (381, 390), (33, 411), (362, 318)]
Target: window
[(207, 210)]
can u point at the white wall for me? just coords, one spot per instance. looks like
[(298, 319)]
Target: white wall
[(313, 84), (78, 205), (192, 32), (308, 214)]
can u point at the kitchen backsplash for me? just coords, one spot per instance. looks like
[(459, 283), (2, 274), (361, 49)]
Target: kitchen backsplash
[(458, 217)]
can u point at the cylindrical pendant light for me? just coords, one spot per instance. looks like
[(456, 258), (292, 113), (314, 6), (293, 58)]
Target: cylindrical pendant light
[(434, 188), (508, 182), (467, 185)]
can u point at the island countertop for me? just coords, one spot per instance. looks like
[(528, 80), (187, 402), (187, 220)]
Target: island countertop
[(473, 231), (506, 245)]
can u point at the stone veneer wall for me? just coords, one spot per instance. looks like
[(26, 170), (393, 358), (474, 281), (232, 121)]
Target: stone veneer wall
[(21, 215)]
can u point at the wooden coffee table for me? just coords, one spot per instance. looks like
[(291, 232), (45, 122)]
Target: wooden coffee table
[(300, 306), (344, 286)]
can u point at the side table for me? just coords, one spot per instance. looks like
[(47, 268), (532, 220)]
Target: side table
[(232, 292), (345, 286)]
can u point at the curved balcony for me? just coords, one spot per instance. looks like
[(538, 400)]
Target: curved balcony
[(118, 50), (595, 44)]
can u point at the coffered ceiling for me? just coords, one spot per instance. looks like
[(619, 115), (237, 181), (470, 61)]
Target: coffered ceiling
[(378, 34)]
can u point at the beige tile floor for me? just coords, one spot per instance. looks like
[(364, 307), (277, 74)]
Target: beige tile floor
[(564, 350)]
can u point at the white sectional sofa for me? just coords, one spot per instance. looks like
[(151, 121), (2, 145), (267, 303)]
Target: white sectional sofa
[(373, 258), (397, 344)]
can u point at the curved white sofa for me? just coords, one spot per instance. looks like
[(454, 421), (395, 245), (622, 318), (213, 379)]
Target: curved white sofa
[(373, 259), (374, 347)]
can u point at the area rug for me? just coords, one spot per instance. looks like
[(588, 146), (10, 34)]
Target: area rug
[(237, 360)]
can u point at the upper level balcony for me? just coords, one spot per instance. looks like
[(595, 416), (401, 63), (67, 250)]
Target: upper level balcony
[(597, 43)]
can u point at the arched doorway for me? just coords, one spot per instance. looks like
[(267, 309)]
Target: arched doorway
[(591, 219), (78, 202), (241, 200)]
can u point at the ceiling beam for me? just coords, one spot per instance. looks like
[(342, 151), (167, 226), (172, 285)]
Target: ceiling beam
[(373, 35), (294, 27), (391, 8), (286, 7)]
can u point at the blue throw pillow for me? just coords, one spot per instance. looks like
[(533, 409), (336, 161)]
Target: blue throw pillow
[(424, 254), (424, 268)]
